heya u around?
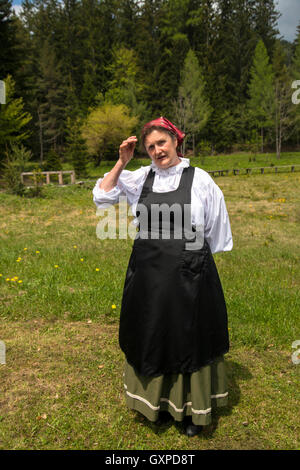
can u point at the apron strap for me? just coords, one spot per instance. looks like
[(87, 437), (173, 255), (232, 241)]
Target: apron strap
[(186, 180)]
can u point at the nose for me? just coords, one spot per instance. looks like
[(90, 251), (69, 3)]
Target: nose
[(157, 150)]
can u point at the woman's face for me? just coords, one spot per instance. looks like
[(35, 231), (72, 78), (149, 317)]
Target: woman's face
[(161, 148)]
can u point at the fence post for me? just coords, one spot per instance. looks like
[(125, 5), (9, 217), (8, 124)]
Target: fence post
[(60, 178)]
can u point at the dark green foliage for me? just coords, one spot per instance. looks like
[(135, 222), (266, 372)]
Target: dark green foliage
[(76, 150), (9, 58), (64, 55), (53, 162)]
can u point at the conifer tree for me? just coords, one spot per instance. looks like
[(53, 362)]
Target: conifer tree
[(261, 91), (265, 19), (192, 100), (8, 58), (283, 102), (13, 119), (51, 101), (76, 148)]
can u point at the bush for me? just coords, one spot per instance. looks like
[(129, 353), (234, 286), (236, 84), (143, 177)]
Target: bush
[(13, 166)]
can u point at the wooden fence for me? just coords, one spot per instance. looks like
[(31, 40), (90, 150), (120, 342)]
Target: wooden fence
[(248, 171), (48, 174)]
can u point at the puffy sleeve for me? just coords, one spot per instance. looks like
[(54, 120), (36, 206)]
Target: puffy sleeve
[(129, 185), (217, 228), (103, 198)]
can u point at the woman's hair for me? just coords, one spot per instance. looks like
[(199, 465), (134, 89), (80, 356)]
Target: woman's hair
[(148, 131)]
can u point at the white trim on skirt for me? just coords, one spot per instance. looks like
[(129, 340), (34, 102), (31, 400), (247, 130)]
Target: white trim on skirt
[(178, 410)]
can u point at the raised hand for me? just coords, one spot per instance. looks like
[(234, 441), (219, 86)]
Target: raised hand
[(126, 149)]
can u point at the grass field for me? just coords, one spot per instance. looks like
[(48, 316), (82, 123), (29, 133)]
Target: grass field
[(60, 293)]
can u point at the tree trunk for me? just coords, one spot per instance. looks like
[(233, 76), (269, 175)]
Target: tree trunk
[(41, 138)]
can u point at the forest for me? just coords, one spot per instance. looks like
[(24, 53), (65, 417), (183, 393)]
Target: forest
[(81, 75)]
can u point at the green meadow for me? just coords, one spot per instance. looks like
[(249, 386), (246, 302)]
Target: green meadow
[(60, 296)]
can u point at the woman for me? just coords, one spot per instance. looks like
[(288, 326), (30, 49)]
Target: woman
[(173, 323)]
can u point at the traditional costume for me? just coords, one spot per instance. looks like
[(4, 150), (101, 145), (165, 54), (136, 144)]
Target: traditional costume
[(173, 323)]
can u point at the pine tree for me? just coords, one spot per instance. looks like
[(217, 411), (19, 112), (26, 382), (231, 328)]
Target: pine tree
[(283, 102), (51, 101), (126, 12), (125, 85), (52, 161), (295, 75), (13, 119), (261, 91), (265, 19), (76, 148), (89, 90), (192, 107), (149, 51), (9, 60)]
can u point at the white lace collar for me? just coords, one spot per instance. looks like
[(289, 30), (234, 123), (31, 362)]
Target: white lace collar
[(172, 170)]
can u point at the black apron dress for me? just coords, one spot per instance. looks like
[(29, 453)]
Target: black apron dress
[(173, 314)]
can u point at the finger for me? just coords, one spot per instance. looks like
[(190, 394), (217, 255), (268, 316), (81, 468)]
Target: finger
[(131, 139), (127, 143)]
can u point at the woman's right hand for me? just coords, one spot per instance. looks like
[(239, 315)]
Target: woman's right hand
[(126, 149)]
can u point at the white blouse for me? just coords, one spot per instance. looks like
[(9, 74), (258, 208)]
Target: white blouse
[(206, 197)]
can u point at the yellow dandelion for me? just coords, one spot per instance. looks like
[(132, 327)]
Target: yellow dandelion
[(16, 277), (19, 281), (81, 259), (25, 249), (7, 279), (74, 246), (97, 269), (18, 260), (56, 265), (12, 279), (37, 251), (0, 275), (113, 306)]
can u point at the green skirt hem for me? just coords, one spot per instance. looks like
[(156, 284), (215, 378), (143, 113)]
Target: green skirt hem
[(181, 395)]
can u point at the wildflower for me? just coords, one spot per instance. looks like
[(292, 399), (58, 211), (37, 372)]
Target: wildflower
[(74, 246), (37, 251), (97, 269), (113, 306), (25, 249), (18, 260), (81, 259), (20, 281), (7, 279), (0, 275), (56, 265)]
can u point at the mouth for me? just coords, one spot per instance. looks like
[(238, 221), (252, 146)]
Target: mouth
[(161, 157)]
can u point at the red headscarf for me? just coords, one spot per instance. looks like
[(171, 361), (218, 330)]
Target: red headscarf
[(165, 123)]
